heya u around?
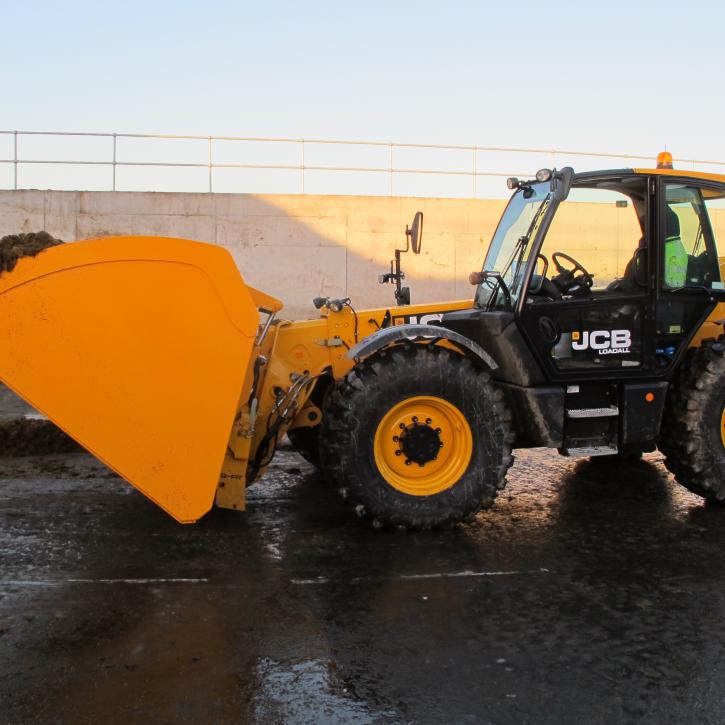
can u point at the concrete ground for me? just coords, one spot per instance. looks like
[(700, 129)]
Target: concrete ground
[(591, 593)]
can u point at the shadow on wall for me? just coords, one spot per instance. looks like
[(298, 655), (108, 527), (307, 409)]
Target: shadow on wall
[(294, 247)]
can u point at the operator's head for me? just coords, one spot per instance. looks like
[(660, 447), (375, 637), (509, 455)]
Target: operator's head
[(672, 223)]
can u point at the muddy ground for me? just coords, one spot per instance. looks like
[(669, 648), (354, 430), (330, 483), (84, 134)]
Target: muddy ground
[(589, 594)]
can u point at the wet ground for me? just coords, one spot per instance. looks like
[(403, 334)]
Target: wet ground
[(592, 593)]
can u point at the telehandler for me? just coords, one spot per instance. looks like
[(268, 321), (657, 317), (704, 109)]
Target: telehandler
[(595, 329)]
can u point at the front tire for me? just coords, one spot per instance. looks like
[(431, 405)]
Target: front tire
[(416, 436), (693, 432), (306, 439), (306, 442)]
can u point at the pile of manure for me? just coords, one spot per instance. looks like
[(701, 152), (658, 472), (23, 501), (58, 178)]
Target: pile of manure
[(16, 246)]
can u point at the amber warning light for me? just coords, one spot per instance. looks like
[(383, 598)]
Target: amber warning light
[(664, 160)]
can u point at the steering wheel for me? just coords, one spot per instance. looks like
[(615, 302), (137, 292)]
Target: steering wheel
[(567, 279)]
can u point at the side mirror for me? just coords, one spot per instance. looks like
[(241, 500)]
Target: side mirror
[(415, 232)]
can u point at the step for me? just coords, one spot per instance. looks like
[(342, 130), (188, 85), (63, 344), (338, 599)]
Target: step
[(591, 451), (608, 412)]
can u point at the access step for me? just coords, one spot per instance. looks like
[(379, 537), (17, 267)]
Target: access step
[(589, 451), (609, 412)]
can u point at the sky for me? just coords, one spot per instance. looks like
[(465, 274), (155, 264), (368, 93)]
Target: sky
[(627, 77)]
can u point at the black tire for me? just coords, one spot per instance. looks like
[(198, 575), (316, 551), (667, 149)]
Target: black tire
[(692, 434), (358, 406), (305, 442)]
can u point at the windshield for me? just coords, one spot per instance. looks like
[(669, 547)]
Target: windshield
[(509, 250)]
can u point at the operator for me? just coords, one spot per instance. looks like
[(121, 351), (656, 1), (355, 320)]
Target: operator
[(676, 257)]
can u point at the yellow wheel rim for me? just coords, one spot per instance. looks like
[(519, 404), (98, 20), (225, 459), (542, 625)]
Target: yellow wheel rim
[(423, 445)]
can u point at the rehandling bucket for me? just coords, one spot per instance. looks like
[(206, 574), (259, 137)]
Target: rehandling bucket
[(137, 347)]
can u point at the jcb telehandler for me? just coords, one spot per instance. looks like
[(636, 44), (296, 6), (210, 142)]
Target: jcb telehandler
[(595, 329)]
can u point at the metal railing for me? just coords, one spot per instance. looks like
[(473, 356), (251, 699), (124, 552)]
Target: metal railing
[(113, 158)]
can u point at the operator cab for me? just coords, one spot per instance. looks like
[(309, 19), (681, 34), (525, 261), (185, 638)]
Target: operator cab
[(592, 290), (601, 274), (594, 244)]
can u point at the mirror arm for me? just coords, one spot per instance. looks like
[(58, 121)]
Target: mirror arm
[(407, 241), (398, 274)]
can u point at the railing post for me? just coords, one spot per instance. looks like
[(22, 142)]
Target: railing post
[(210, 165), (474, 171), (15, 160), (113, 187), (302, 164), (391, 169)]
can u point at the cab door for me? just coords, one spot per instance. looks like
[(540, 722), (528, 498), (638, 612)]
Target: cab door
[(602, 329), (691, 280)]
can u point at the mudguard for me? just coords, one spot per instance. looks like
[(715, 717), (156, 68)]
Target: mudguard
[(137, 347), (391, 335)]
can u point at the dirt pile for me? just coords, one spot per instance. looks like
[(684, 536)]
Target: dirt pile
[(16, 246), (22, 437)]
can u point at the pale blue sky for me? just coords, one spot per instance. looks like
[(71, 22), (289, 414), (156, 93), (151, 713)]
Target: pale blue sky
[(614, 76)]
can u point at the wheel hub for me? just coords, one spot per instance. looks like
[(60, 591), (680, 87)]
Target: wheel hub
[(423, 445), (420, 443)]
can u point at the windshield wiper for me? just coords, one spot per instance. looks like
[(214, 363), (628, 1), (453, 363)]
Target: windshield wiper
[(517, 255), (498, 282)]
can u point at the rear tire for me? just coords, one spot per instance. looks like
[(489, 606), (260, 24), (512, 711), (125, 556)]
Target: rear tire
[(417, 437), (693, 431)]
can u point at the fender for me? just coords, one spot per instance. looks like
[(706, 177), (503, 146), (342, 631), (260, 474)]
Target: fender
[(390, 335)]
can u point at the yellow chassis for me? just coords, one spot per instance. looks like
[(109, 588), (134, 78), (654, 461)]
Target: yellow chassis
[(314, 347)]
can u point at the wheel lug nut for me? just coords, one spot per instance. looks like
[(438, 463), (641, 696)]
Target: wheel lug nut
[(438, 430), (407, 461), (421, 464), (414, 419), (402, 426), (440, 445), (428, 421), (395, 439), (398, 453)]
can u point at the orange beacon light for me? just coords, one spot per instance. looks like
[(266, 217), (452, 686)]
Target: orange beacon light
[(664, 160)]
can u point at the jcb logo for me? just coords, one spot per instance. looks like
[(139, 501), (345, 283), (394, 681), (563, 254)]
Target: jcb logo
[(606, 342), (417, 319)]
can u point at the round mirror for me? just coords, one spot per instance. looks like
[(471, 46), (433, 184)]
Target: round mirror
[(415, 232)]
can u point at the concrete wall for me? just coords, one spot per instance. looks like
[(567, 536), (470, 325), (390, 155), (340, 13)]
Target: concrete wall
[(297, 247), (294, 247)]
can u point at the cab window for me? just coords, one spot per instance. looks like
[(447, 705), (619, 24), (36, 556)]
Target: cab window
[(690, 247), (602, 227)]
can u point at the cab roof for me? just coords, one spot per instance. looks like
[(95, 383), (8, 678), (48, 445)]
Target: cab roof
[(719, 178), (680, 173)]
